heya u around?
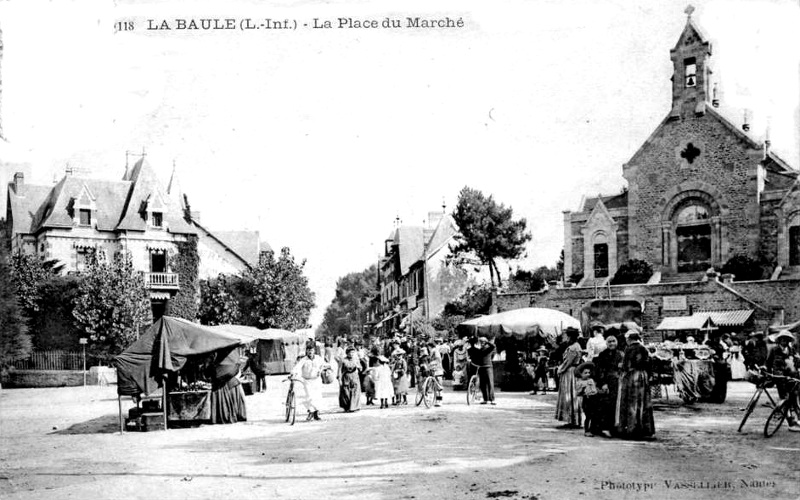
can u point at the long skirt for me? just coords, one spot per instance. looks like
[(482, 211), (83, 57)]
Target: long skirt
[(568, 407), (486, 378), (227, 403), (400, 384), (634, 417), (350, 392), (369, 386)]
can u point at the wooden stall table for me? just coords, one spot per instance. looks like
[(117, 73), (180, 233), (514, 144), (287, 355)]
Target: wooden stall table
[(189, 407)]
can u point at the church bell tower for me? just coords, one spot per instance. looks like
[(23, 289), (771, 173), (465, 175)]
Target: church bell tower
[(691, 71)]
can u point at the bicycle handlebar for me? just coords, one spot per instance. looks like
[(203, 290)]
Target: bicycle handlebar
[(480, 366)]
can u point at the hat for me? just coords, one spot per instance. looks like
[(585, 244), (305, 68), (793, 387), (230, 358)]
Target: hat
[(781, 334), (633, 333), (383, 359), (483, 339), (584, 366), (571, 330), (596, 324), (398, 352), (543, 348)]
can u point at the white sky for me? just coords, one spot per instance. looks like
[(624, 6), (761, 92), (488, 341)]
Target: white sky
[(319, 138)]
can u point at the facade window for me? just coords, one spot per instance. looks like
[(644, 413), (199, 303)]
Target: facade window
[(794, 246), (693, 234), (158, 262), (158, 219), (83, 258), (691, 71), (601, 260), (85, 217)]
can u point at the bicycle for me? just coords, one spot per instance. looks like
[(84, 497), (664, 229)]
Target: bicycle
[(764, 383), (426, 391), (474, 394), (788, 406), (291, 402)]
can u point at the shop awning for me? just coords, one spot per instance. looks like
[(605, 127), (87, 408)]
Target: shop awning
[(693, 322), (729, 318)]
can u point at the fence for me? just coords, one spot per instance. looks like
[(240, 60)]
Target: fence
[(51, 360)]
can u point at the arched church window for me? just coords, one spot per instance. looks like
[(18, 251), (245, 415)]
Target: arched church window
[(600, 260), (693, 233), (794, 246), (691, 71)]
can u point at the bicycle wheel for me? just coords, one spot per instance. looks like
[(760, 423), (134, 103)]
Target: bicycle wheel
[(775, 420), (429, 392), (751, 405), (474, 391), (288, 404), (291, 405)]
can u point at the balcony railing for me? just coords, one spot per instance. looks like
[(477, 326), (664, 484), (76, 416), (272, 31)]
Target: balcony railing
[(161, 280)]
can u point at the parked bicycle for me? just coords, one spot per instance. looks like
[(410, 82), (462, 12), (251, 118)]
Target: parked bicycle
[(789, 408), (763, 382), (427, 389), (474, 394)]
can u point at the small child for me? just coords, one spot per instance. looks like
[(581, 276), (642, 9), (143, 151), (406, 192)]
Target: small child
[(383, 382), (369, 385), (587, 390), (540, 371)]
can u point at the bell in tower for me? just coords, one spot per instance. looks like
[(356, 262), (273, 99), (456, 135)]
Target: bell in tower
[(691, 71)]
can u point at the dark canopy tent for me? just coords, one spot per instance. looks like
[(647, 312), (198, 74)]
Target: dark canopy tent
[(164, 348), (273, 351)]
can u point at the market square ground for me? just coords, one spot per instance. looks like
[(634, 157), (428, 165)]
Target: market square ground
[(64, 443)]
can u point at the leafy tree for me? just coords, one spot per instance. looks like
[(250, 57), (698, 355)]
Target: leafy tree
[(112, 303), (219, 304), (745, 268), (532, 281), (186, 264), (476, 300), (53, 326), (349, 306), (487, 229), (276, 293), (632, 272), (29, 272), (15, 343)]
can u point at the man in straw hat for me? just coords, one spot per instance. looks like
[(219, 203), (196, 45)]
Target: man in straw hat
[(480, 354), (783, 360)]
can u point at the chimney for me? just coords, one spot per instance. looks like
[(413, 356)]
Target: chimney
[(715, 96), (19, 181)]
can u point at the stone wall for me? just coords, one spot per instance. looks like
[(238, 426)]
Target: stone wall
[(47, 378), (778, 300)]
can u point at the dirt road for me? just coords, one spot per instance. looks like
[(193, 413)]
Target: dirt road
[(64, 443)]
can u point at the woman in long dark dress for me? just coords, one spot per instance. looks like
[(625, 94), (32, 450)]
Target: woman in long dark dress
[(568, 408), (608, 372), (349, 383), (634, 417)]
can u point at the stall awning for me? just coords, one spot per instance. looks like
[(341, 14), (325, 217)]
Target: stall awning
[(705, 320), (736, 317)]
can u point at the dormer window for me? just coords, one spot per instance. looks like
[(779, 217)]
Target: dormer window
[(157, 219), (84, 217), (690, 72)]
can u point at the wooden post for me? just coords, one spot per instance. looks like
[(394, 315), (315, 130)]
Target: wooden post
[(121, 425), (164, 399)]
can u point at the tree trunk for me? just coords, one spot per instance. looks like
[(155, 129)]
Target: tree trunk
[(497, 271), (491, 273)]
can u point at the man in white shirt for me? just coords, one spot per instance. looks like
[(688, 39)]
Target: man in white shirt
[(307, 371)]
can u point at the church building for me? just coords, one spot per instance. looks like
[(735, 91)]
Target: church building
[(700, 190)]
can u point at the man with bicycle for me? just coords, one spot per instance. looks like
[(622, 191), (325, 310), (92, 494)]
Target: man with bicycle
[(436, 369), (783, 360), (480, 354)]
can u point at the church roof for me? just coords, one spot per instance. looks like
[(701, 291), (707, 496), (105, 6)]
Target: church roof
[(612, 201)]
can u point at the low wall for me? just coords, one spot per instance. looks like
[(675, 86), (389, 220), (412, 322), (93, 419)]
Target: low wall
[(772, 301), (47, 378)]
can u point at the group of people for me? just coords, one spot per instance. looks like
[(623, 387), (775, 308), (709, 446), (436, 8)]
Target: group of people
[(607, 392)]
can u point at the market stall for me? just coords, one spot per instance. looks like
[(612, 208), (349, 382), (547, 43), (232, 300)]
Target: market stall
[(515, 331), (181, 372)]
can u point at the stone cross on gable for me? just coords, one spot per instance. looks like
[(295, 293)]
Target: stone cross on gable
[(689, 10)]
